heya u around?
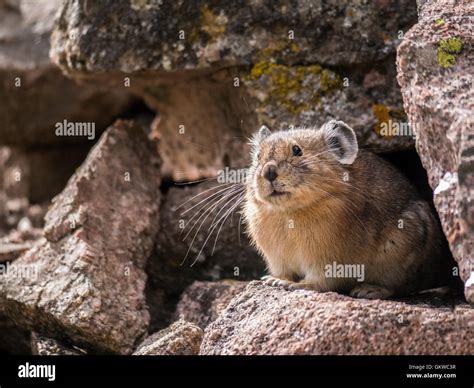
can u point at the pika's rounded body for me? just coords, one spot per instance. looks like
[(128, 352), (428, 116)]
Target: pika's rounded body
[(329, 217)]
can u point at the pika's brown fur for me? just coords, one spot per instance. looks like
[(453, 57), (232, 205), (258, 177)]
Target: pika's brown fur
[(314, 200)]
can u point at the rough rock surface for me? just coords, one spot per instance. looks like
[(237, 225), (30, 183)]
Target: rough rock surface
[(435, 73), (268, 320), (217, 70), (225, 32), (231, 257), (202, 302), (35, 95), (43, 346), (180, 339), (85, 280)]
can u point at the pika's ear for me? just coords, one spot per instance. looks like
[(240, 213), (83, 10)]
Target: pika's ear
[(341, 140), (262, 134)]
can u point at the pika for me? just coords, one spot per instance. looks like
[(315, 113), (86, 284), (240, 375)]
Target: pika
[(315, 202)]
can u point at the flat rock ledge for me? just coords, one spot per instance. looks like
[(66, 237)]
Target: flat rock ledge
[(266, 320)]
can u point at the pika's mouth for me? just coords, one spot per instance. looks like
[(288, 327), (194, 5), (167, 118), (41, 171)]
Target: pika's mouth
[(276, 193)]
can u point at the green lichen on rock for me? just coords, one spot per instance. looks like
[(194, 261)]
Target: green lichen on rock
[(278, 48), (447, 51), (439, 22), (329, 81), (285, 85)]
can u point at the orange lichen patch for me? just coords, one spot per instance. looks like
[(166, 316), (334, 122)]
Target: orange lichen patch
[(382, 113), (389, 120), (214, 25)]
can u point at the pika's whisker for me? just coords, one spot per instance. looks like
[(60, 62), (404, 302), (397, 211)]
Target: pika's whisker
[(209, 235), (212, 224), (210, 202), (209, 208), (231, 211), (201, 193), (208, 212), (207, 198), (196, 181), (238, 227)]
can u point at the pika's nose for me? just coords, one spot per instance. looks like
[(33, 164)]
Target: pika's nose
[(270, 172)]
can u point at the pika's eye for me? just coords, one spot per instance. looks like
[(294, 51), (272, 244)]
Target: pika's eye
[(297, 151)]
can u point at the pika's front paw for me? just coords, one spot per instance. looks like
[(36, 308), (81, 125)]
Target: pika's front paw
[(276, 282), (302, 286), (369, 291)]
